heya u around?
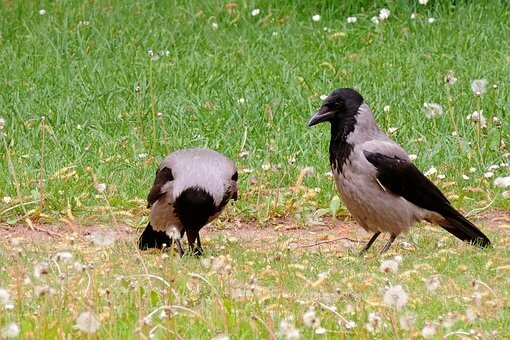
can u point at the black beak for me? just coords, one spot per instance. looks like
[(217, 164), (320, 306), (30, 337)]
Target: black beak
[(320, 116)]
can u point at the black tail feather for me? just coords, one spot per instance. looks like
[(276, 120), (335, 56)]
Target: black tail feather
[(462, 228), (153, 239)]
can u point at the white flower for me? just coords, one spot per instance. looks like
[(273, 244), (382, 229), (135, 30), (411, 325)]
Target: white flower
[(350, 324), (41, 269), (88, 322), (375, 20), (413, 16), (316, 17), (310, 319), (423, 2), (389, 266), (494, 167), (432, 110), (308, 171), (351, 20), (2, 123), (142, 155), (103, 239), (431, 20), (7, 199), (478, 86), (472, 169), (323, 97), (441, 176), (10, 331), (5, 297), (288, 331), (502, 182), (42, 11), (174, 234), (465, 177), (320, 330), (488, 174), (478, 117), (505, 194), (396, 296), (413, 157), (64, 256), (432, 283), (101, 187), (384, 14), (214, 26), (373, 322), (430, 172), (255, 12), (428, 331), (386, 108), (241, 100), (392, 130)]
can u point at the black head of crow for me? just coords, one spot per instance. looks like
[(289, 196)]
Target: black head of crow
[(191, 188), (378, 183)]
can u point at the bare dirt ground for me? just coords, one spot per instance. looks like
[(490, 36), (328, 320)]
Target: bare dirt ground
[(325, 233)]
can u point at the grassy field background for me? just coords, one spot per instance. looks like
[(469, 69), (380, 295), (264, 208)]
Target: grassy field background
[(85, 103)]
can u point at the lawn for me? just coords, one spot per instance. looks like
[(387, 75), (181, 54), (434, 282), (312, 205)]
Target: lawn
[(100, 91)]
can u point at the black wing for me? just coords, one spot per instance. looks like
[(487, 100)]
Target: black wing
[(162, 176), (403, 178)]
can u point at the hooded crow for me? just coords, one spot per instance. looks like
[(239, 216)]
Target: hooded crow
[(191, 188), (380, 186)]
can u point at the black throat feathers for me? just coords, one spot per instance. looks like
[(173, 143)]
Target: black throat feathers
[(193, 207)]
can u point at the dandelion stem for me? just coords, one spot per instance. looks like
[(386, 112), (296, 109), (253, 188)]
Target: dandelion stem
[(13, 172), (152, 106), (41, 170)]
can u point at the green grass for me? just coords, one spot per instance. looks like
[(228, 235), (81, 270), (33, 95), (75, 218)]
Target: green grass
[(84, 66), (83, 78), (245, 291)]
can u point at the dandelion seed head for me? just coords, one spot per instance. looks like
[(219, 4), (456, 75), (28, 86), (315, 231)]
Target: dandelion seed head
[(41, 270), (320, 330), (287, 330), (465, 177), (221, 337), (477, 298), (432, 283), (88, 322), (79, 267), (384, 14), (396, 296), (5, 297), (413, 16), (316, 17), (214, 26), (432, 110), (101, 187), (375, 20), (392, 130), (413, 157), (373, 322), (42, 11), (502, 182), (351, 20), (386, 108), (423, 2), (10, 331), (323, 97), (431, 20), (41, 291), (349, 324), (64, 257), (255, 12), (478, 86), (7, 199), (441, 176), (310, 319), (2, 123), (450, 79), (488, 174), (142, 155), (428, 331), (389, 266), (174, 234)]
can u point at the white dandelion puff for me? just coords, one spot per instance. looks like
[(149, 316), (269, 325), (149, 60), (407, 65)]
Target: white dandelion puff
[(310, 319), (287, 330), (432, 110), (506, 194), (45, 290), (64, 257), (375, 20), (431, 20), (413, 16), (389, 266), (432, 283), (450, 79), (41, 270), (350, 324), (5, 297), (413, 157), (373, 322), (384, 14), (88, 322), (323, 97), (174, 234), (10, 331), (101, 187), (387, 108), (423, 2), (320, 330), (478, 118), (396, 296), (255, 12), (488, 174), (407, 322), (428, 331), (214, 26), (42, 11), (465, 177), (351, 20), (316, 17), (478, 86), (2, 123), (502, 182), (241, 100)]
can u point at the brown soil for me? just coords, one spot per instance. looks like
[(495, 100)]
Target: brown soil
[(324, 233)]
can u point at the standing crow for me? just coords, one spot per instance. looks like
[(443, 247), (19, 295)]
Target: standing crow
[(191, 188), (380, 186)]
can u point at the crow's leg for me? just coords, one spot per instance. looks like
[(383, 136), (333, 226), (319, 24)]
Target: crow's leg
[(388, 244), (369, 244)]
